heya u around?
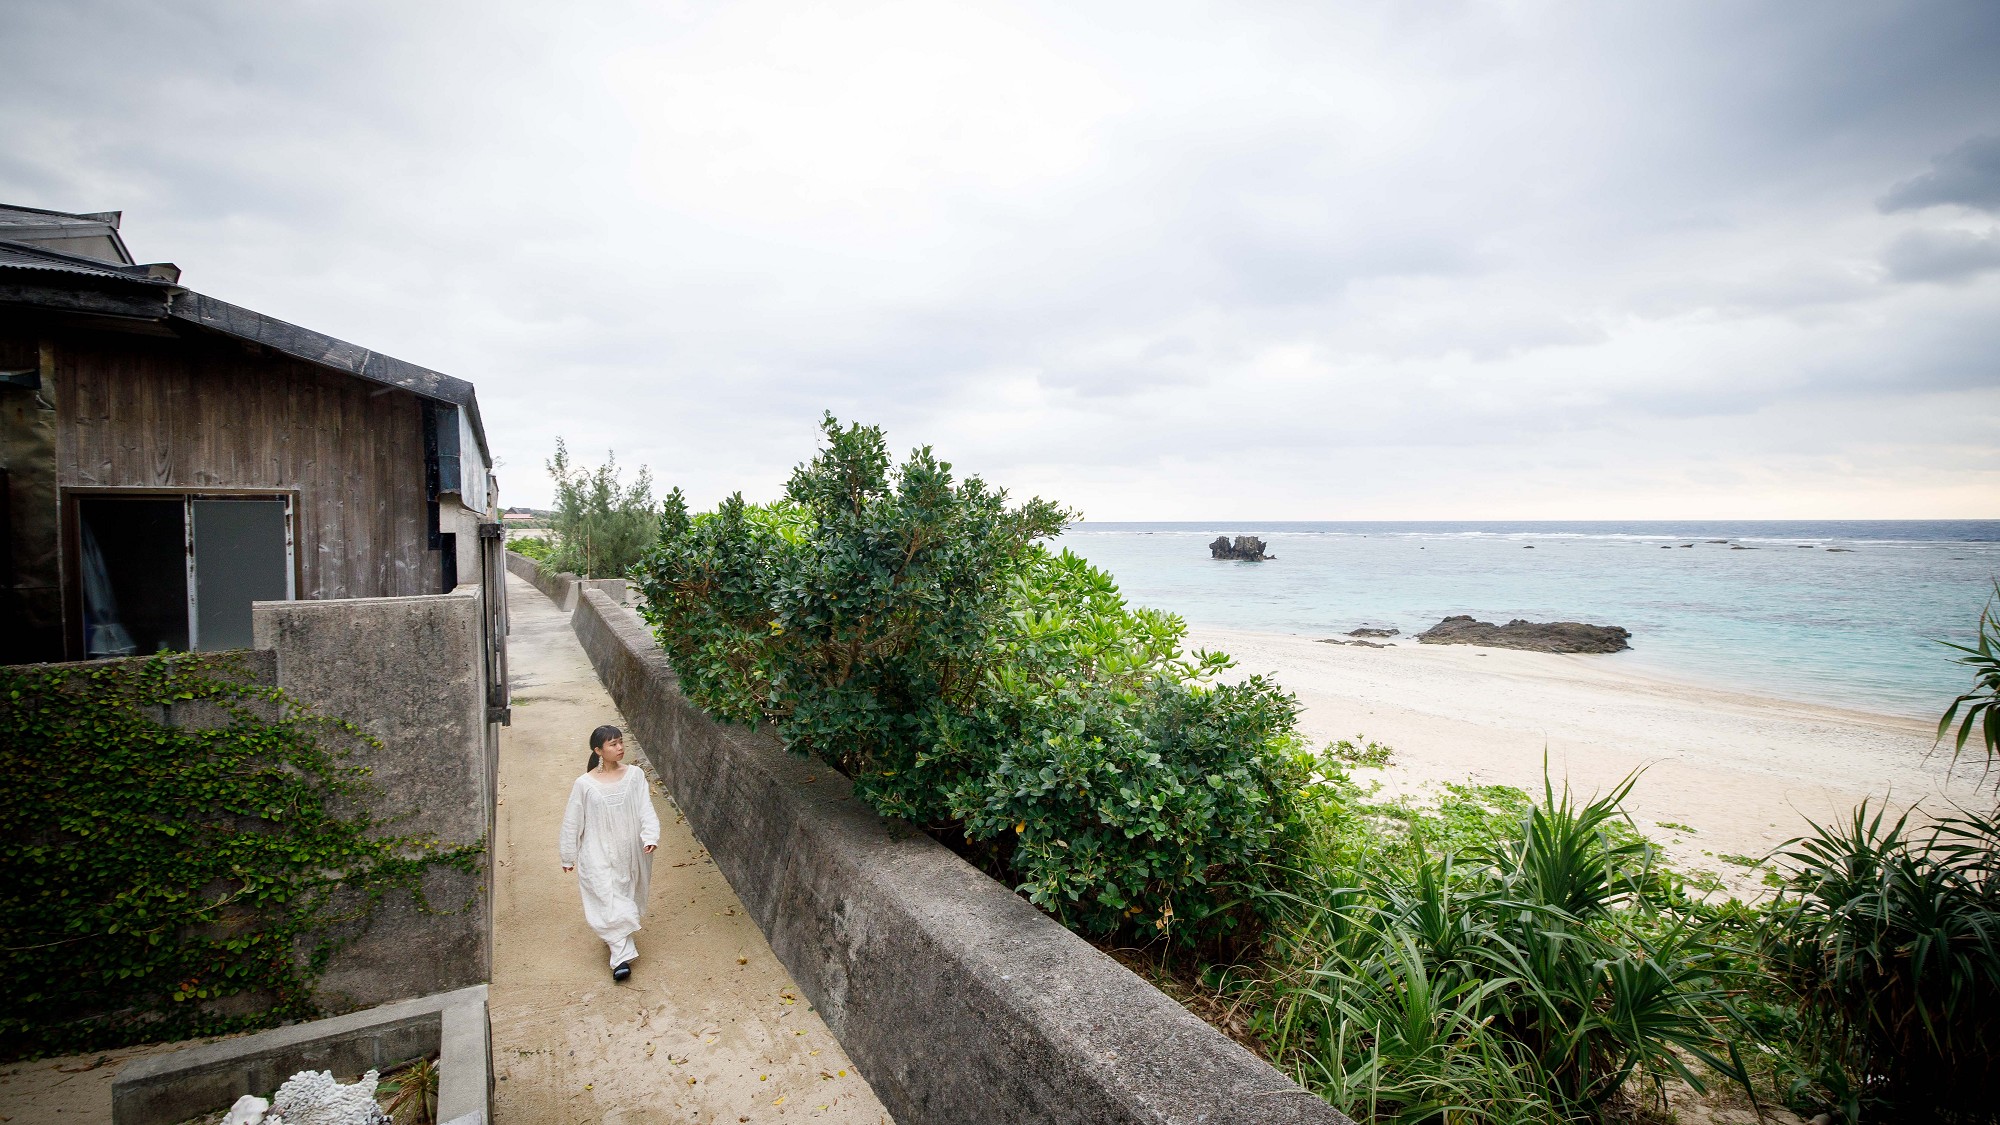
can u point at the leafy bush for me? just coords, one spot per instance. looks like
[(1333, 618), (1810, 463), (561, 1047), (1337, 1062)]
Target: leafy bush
[(601, 526), (166, 881), (908, 628), (532, 546)]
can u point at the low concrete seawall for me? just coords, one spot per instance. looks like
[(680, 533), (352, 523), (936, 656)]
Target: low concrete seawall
[(558, 588), (958, 1001), (563, 588)]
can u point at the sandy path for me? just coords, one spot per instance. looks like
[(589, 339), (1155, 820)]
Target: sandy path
[(1742, 772), (71, 1088), (710, 1028)]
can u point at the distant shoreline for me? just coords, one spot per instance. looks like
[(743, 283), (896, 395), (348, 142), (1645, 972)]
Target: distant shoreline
[(1638, 667), (1742, 772), (1983, 529)]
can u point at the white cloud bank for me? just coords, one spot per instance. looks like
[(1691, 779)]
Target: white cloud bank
[(1382, 260)]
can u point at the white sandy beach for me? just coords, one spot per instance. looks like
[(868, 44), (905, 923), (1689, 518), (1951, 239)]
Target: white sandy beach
[(1744, 772)]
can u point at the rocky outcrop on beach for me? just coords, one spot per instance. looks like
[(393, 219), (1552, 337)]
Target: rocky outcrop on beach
[(1553, 636), (1367, 631), (1248, 548)]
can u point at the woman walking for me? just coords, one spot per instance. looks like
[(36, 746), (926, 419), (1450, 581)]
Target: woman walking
[(610, 831)]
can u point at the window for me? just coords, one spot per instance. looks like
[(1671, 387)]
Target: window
[(173, 572)]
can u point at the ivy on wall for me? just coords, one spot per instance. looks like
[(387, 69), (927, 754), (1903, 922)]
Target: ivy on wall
[(181, 852)]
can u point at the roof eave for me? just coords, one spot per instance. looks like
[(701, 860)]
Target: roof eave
[(132, 297), (322, 350)]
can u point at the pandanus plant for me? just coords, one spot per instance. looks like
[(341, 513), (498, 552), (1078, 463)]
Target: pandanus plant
[(1531, 980), (1890, 934)]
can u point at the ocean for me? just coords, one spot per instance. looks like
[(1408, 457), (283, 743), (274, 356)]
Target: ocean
[(1841, 612)]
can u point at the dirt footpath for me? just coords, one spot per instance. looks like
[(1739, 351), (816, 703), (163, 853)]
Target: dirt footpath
[(710, 1027), (72, 1088)]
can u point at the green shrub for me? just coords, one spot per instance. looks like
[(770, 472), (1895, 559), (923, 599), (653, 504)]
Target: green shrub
[(909, 629), (1522, 973), (1979, 708), (163, 881), (532, 547), (601, 526), (1891, 938)]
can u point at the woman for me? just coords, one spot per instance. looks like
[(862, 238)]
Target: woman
[(610, 831)]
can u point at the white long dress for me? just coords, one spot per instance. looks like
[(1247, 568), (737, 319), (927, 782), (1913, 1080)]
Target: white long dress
[(605, 832)]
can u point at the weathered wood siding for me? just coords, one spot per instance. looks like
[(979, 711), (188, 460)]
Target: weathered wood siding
[(185, 414)]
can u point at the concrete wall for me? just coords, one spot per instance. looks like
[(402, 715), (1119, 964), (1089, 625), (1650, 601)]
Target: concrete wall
[(563, 588), (451, 1026), (409, 671), (558, 588), (617, 589), (958, 1001)]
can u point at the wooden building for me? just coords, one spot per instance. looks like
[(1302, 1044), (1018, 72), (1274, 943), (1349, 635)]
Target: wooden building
[(167, 458)]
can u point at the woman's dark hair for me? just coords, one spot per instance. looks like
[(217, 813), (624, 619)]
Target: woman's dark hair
[(599, 737)]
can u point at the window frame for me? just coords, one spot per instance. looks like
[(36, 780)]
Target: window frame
[(72, 547)]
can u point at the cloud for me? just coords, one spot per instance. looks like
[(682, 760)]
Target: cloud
[(1968, 176), (1942, 255), (1350, 258)]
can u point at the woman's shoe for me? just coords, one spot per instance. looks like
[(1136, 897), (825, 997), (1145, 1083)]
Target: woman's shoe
[(623, 970)]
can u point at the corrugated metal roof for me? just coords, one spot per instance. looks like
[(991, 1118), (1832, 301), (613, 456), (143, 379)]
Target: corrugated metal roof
[(161, 300), (20, 255), (36, 218), (73, 231)]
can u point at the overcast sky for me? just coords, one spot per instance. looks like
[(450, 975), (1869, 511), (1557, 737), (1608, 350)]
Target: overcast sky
[(1393, 260)]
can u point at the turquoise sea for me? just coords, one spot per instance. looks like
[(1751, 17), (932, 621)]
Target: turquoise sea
[(1844, 612)]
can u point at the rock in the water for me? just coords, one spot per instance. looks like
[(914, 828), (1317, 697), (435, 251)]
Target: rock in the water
[(1247, 547), (1366, 631), (1554, 636)]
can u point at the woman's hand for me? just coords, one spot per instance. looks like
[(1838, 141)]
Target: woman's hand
[(650, 847)]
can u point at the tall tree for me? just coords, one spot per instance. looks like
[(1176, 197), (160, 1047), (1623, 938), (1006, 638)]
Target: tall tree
[(601, 525)]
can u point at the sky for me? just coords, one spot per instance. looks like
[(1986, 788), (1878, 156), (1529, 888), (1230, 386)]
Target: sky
[(1395, 260)]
